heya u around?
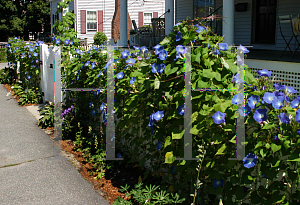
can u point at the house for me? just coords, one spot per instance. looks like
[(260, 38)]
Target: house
[(252, 23), (104, 16)]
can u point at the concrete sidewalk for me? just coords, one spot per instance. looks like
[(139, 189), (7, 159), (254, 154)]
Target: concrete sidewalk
[(32, 171)]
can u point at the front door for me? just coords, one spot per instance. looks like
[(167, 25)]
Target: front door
[(265, 21)]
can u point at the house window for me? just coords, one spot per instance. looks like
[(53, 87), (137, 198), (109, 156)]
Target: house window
[(203, 8), (147, 18), (91, 21)]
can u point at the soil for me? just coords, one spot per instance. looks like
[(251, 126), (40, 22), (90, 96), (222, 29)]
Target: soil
[(115, 177)]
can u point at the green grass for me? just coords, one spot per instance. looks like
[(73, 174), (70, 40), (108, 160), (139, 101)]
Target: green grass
[(2, 55)]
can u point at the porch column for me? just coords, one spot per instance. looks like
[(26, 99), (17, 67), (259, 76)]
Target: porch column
[(123, 23), (169, 16), (228, 23)]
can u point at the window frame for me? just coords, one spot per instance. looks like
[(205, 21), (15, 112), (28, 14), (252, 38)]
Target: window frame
[(149, 24), (88, 21)]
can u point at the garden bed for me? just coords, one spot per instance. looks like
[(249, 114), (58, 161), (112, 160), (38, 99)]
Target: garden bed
[(8, 88)]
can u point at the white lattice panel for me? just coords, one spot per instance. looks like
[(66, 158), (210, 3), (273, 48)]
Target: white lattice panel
[(287, 78)]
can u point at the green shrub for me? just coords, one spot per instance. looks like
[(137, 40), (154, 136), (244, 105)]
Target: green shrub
[(48, 116), (3, 55), (99, 38)]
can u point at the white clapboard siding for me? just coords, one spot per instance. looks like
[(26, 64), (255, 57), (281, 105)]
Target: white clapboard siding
[(183, 10), (108, 8)]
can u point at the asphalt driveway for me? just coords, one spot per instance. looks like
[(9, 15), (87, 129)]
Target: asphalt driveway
[(32, 170)]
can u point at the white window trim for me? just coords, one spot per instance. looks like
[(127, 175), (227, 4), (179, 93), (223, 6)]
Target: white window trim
[(86, 22), (144, 18)]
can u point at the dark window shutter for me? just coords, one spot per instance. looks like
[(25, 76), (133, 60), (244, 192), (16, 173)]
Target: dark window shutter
[(83, 21), (100, 21), (141, 19), (155, 14)]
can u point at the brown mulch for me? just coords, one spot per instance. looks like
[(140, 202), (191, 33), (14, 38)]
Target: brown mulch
[(7, 87)]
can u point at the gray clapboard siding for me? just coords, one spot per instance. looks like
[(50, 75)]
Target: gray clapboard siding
[(183, 9)]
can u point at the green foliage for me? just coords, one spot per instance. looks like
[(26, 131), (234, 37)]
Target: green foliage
[(148, 195), (47, 119), (99, 38), (3, 55), (6, 76), (30, 96)]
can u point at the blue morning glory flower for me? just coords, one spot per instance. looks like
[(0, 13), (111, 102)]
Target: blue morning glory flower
[(87, 63), (35, 54), (278, 87), (31, 49), (297, 117), (269, 97), (290, 89), (178, 36), (163, 55), (119, 155), (237, 99), (159, 145), (283, 118), (276, 137), (94, 111), (91, 104), (298, 131), (245, 111), (161, 68), (57, 41), (244, 49), (125, 54), (252, 101), (236, 79), (78, 51), (144, 49), (223, 46), (250, 160), (260, 115), (215, 51), (180, 50), (67, 41), (200, 28), (130, 61), (181, 109), (132, 80), (29, 76), (264, 72), (278, 103), (155, 68), (177, 57), (219, 117), (239, 60), (152, 120), (120, 75), (102, 106), (158, 115), (217, 183), (158, 48), (93, 65), (137, 48), (295, 103)]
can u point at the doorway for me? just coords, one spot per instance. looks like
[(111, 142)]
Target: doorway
[(264, 21)]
